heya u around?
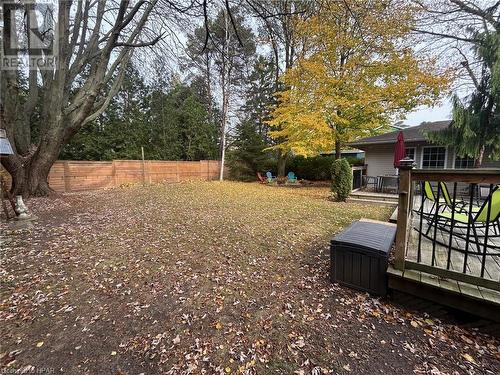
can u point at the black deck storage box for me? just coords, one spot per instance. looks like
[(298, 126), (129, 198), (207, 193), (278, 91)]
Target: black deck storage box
[(359, 256)]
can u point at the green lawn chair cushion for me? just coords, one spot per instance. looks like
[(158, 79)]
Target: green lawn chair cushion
[(461, 218)]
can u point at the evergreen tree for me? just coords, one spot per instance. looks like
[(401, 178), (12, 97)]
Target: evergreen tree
[(171, 121), (475, 130), (120, 131)]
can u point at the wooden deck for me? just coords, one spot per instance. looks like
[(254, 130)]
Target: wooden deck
[(473, 299), (457, 258), (449, 285)]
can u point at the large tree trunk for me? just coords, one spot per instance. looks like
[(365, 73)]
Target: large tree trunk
[(30, 173), (31, 180), (282, 158)]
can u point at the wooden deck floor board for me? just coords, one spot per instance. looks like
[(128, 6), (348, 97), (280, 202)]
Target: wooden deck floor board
[(448, 284), (451, 286), (431, 280), (470, 290), (412, 275)]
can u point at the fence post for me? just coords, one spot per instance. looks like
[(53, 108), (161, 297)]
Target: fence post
[(404, 209), (67, 186), (113, 172), (143, 167)]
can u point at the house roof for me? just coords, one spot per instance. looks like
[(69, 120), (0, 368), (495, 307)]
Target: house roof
[(411, 134)]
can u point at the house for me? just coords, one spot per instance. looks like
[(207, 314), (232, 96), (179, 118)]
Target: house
[(379, 151), (352, 153)]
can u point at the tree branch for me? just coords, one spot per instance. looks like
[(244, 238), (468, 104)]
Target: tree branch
[(233, 23), (140, 44), (477, 12), (207, 28), (465, 64), (103, 104), (448, 36)]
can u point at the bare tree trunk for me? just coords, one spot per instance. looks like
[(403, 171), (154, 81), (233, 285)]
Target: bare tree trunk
[(30, 172), (226, 91), (479, 160), (338, 149), (223, 132), (29, 177), (282, 158), (208, 77)]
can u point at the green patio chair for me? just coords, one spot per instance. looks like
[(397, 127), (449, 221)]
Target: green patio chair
[(479, 218), (428, 195), (460, 205), (487, 218), (444, 201)]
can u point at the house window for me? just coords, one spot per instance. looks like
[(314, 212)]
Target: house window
[(410, 153), (433, 157), (464, 163)]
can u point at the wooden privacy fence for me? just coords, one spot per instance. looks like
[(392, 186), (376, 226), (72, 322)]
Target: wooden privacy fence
[(67, 176)]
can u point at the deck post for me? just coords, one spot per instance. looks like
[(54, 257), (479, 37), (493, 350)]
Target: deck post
[(405, 167)]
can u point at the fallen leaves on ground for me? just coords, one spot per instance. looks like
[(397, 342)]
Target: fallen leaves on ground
[(207, 278)]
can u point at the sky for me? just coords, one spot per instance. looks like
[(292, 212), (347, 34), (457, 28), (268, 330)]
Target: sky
[(425, 113)]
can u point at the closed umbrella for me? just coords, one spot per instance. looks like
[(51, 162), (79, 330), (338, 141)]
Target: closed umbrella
[(399, 150)]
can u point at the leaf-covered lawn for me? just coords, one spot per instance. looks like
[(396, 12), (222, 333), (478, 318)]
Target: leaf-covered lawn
[(207, 278)]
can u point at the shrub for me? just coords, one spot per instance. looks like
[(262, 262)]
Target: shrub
[(244, 167), (341, 179), (313, 168)]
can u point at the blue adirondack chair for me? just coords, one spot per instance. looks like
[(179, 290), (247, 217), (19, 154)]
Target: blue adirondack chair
[(291, 177), (270, 177)]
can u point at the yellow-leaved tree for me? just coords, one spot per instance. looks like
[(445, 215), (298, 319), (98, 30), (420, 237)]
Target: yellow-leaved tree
[(357, 70)]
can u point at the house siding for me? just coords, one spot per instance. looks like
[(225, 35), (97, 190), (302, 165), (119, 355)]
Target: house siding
[(380, 158)]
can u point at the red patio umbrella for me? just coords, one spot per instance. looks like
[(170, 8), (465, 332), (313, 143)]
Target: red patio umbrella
[(399, 150)]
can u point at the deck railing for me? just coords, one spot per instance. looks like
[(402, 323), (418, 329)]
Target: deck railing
[(357, 176), (449, 224)]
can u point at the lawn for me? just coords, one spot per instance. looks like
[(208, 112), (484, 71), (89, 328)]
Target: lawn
[(207, 277)]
